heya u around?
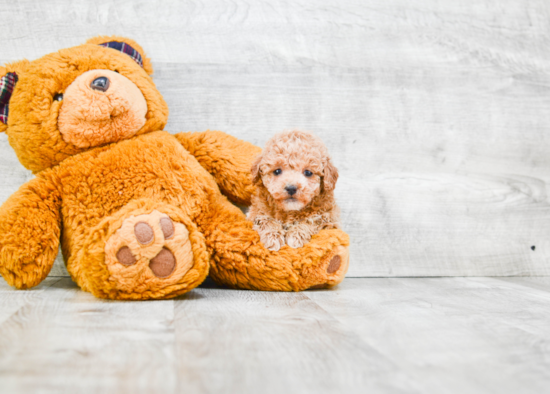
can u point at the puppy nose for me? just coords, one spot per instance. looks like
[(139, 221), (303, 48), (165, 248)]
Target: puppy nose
[(101, 84), (291, 189)]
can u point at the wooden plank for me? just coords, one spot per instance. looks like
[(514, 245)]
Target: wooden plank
[(536, 282), (66, 341), (397, 335), (249, 342), (452, 335), (11, 301), (435, 113), (217, 341)]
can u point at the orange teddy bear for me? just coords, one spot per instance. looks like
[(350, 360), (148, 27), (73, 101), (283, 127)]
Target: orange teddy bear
[(140, 212)]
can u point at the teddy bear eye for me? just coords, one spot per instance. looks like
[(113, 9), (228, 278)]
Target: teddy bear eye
[(278, 171), (58, 97), (308, 173)]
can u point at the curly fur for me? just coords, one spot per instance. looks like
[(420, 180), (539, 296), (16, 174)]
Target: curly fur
[(280, 215)]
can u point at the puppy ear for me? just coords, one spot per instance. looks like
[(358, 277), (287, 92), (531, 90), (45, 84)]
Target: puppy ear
[(330, 176), (255, 170)]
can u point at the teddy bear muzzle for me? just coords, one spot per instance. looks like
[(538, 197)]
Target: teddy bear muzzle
[(100, 107)]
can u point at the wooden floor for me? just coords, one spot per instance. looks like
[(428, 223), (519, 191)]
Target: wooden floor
[(398, 335)]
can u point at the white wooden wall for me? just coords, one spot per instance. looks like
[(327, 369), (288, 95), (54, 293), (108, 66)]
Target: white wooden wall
[(437, 113)]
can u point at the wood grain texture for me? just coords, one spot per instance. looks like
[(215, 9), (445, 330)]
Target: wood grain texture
[(436, 113), (368, 335), (274, 342), (64, 341), (452, 335)]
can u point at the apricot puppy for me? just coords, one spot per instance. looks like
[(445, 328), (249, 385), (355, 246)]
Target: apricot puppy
[(294, 198)]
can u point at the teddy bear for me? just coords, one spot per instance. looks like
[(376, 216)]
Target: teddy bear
[(140, 213)]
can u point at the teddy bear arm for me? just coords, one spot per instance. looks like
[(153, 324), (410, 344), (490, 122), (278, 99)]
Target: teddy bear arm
[(29, 233), (226, 158)]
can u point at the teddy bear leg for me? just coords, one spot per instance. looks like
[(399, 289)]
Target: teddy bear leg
[(145, 252), (240, 260)]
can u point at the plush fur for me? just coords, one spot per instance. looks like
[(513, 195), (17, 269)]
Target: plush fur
[(92, 117), (139, 212), (294, 198)]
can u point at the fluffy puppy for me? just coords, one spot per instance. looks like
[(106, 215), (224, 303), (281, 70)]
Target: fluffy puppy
[(294, 198)]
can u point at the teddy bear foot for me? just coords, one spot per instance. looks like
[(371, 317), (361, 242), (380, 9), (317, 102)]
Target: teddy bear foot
[(335, 264), (151, 240), (148, 251), (146, 254)]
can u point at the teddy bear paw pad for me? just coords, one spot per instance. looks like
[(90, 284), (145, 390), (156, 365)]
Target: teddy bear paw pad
[(335, 265), (149, 249), (163, 264)]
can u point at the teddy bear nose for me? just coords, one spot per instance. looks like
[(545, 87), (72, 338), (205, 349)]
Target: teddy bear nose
[(101, 84), (291, 189)]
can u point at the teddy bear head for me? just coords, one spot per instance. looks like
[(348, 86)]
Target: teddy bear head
[(78, 98)]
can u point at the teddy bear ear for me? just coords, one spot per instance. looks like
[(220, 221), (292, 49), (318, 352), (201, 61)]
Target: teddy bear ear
[(9, 75), (127, 46)]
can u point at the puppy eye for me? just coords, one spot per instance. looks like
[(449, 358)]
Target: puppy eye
[(278, 171), (308, 173), (58, 97)]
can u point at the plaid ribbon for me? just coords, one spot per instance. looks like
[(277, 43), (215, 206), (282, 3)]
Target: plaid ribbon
[(124, 48), (7, 83)]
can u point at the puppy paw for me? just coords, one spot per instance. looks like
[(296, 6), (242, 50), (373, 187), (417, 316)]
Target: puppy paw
[(271, 232), (297, 236), (273, 240)]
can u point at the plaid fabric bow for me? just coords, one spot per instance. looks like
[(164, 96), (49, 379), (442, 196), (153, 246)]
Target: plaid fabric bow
[(7, 83), (124, 48)]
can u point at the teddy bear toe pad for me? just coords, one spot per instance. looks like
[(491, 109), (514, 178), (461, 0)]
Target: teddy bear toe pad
[(167, 227), (125, 256), (149, 251), (144, 233)]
